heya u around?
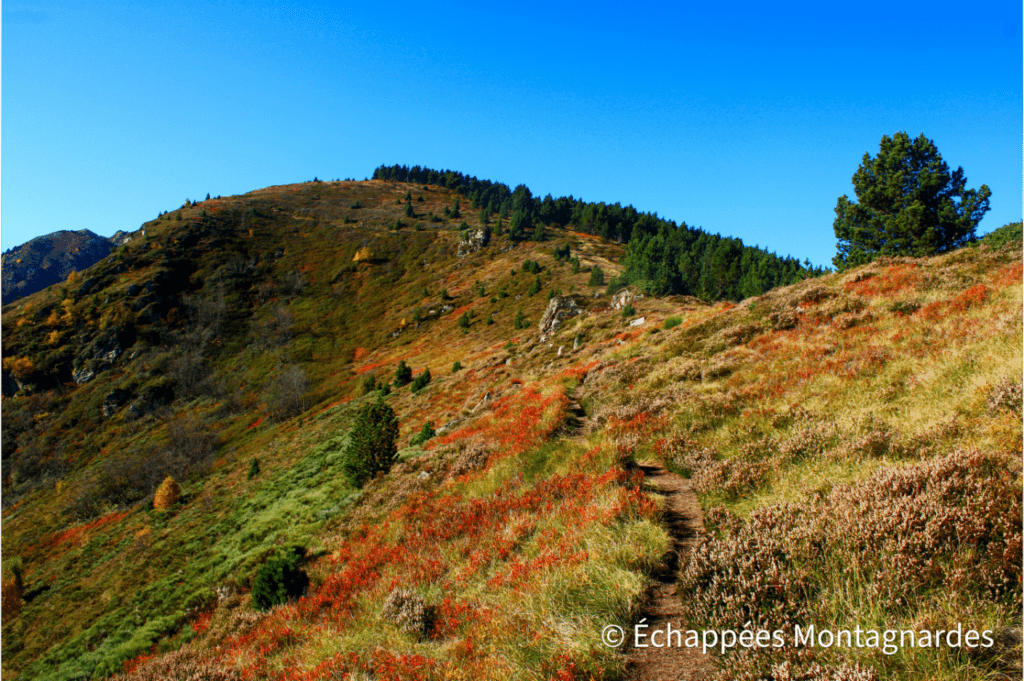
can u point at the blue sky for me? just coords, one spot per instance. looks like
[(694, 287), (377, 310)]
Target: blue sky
[(745, 119)]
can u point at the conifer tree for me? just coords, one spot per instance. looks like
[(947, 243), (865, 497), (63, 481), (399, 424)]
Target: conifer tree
[(372, 447), (909, 204)]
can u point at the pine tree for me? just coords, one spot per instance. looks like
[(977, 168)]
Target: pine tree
[(403, 374), (909, 204), (372, 447)]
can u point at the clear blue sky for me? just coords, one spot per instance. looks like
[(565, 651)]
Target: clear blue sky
[(745, 119)]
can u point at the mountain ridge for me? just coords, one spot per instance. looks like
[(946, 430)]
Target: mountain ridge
[(252, 328)]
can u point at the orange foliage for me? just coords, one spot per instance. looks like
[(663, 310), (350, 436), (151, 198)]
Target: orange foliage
[(74, 534), (19, 367), (895, 278), (1009, 275), (972, 297), (167, 494)]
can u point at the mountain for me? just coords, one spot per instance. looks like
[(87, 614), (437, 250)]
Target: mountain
[(845, 442), (50, 259)]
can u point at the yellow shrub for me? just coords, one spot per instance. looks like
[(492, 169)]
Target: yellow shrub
[(167, 494)]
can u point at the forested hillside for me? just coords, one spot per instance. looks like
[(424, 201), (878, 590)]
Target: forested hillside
[(662, 257)]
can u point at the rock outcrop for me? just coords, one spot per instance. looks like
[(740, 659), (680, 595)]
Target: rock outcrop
[(476, 240), (559, 309)]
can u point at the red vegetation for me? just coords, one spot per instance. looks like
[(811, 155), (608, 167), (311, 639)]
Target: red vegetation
[(894, 279), (75, 534)]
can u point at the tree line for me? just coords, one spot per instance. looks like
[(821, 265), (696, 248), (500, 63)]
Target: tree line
[(662, 257)]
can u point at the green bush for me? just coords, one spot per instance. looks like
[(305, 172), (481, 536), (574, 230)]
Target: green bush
[(464, 320), (425, 434), (421, 381), (371, 447), (1003, 235), (403, 374), (254, 468), (520, 321), (673, 322), (617, 284), (369, 383), (457, 366), (279, 579), (534, 288), (531, 266), (596, 276)]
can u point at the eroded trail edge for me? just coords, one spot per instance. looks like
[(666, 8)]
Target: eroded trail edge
[(685, 522)]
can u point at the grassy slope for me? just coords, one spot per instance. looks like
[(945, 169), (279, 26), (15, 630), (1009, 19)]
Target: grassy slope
[(526, 539)]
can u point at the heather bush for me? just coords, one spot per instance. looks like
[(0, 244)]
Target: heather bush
[(185, 663), (1006, 396), (945, 528), (408, 612)]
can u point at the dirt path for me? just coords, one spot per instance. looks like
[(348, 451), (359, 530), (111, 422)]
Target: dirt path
[(684, 521)]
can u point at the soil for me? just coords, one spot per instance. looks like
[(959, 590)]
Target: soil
[(685, 522)]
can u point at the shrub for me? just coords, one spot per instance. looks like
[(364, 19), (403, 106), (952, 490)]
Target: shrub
[(464, 320), (279, 579), (520, 321), (534, 288), (628, 311), (425, 434), (403, 374), (457, 366), (409, 612), (10, 599), (421, 381), (254, 468), (13, 588), (370, 381), (371, 447), (596, 276), (562, 252), (167, 494), (289, 393), (673, 322), (617, 284)]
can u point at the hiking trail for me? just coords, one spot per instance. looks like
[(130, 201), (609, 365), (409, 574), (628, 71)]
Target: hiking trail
[(685, 522)]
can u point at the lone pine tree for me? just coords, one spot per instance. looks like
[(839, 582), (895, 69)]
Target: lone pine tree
[(372, 447), (909, 204)]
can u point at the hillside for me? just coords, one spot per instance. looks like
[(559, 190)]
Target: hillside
[(875, 414), (50, 259)]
